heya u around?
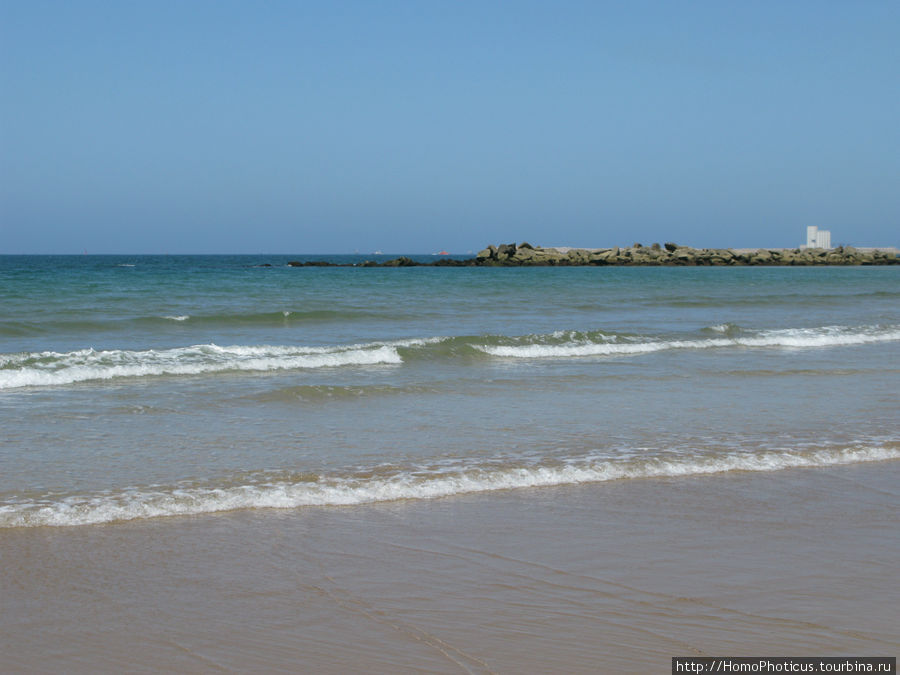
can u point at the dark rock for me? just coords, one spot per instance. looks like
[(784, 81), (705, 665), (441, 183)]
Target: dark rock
[(453, 262), (402, 261), (670, 247)]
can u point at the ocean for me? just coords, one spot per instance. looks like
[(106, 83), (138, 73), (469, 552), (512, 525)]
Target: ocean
[(209, 463)]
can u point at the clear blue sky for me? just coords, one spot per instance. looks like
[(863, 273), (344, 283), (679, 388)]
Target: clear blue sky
[(214, 126)]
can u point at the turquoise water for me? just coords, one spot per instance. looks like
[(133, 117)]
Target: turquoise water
[(146, 386)]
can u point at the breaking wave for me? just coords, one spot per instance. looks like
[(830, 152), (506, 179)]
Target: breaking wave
[(35, 369), (55, 368), (395, 483), (598, 344)]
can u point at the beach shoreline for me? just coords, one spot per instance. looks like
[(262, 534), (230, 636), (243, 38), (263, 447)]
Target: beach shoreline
[(499, 470), (617, 577)]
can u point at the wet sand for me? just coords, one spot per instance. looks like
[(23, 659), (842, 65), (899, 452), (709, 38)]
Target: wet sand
[(611, 577)]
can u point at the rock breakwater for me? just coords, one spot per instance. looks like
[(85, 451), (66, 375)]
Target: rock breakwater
[(671, 254), (668, 254)]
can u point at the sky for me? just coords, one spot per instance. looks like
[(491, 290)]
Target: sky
[(212, 126)]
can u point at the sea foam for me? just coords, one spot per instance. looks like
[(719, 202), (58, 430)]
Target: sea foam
[(35, 369), (407, 483), (828, 336)]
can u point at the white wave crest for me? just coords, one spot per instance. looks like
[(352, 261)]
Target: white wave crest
[(138, 504), (37, 369), (829, 336), (183, 317)]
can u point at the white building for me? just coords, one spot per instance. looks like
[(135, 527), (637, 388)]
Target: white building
[(816, 238)]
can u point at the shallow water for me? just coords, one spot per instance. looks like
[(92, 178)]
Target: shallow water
[(137, 391), (611, 578)]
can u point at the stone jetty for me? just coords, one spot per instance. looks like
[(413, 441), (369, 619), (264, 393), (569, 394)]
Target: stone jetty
[(670, 254), (667, 255)]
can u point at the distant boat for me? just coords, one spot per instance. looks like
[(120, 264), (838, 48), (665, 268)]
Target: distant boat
[(377, 253), (441, 253)]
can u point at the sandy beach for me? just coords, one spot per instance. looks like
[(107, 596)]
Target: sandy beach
[(614, 577)]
